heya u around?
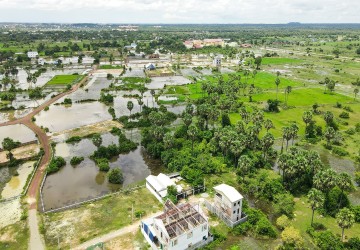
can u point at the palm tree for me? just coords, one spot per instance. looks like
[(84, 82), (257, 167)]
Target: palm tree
[(287, 92), (268, 124), (307, 118), (277, 83), (130, 106), (356, 91), (294, 129), (345, 219), (192, 133), (152, 92), (266, 143), (325, 180), (287, 135), (344, 183), (245, 164), (140, 102), (328, 117), (237, 147), (328, 135), (316, 199)]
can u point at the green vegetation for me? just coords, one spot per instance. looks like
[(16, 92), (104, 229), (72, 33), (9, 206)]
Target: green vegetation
[(76, 160), (105, 66), (55, 165), (115, 176), (64, 80)]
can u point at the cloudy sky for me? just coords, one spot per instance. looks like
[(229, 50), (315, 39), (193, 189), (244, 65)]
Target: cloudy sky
[(181, 11)]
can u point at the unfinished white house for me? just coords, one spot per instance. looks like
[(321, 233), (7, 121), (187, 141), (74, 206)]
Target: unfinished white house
[(227, 205), (32, 54), (217, 61), (158, 185), (178, 228)]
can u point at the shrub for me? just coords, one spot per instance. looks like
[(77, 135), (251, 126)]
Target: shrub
[(318, 226), (344, 115), (335, 200), (348, 108), (55, 165), (350, 131), (353, 244), (282, 222), (103, 164), (115, 176), (67, 101), (73, 139), (76, 160), (339, 151)]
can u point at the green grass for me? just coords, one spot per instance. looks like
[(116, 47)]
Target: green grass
[(95, 219), (64, 79), (18, 235), (111, 66), (133, 80), (279, 60), (303, 218)]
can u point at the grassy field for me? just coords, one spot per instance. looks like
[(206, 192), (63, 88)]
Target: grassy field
[(15, 236), (279, 60), (64, 80), (110, 66), (88, 221), (303, 218)]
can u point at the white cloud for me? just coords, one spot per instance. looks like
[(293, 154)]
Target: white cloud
[(180, 11)]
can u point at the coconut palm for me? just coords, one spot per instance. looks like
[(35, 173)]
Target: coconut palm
[(316, 199), (130, 106), (345, 219)]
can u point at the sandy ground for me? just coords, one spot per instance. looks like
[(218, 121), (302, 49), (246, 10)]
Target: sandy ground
[(21, 152), (10, 212), (100, 127), (123, 242), (16, 184)]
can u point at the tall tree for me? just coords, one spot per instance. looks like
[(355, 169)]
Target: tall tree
[(130, 106), (356, 92), (316, 199), (9, 144), (192, 133), (329, 134), (307, 118), (268, 124), (244, 165), (277, 83), (345, 219), (152, 92)]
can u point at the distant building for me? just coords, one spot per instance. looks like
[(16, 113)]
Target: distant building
[(214, 42), (150, 66), (154, 56), (180, 227), (158, 185), (32, 54), (227, 205), (198, 44), (246, 45), (217, 61)]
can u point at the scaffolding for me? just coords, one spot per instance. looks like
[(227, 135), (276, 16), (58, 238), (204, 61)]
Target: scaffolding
[(180, 219)]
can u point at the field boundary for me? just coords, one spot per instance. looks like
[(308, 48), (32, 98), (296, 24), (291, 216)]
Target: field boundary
[(85, 201)]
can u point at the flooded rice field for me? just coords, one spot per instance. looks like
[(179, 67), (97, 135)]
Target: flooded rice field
[(17, 182), (134, 73), (160, 82), (60, 117), (189, 72), (17, 132), (85, 181)]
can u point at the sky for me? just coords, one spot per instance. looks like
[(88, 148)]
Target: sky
[(180, 11)]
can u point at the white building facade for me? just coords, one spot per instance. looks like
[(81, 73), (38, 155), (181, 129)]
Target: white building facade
[(227, 205), (32, 54)]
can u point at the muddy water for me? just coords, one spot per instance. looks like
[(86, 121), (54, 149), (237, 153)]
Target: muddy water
[(92, 91), (85, 181), (60, 117), (17, 132), (16, 184), (160, 82)]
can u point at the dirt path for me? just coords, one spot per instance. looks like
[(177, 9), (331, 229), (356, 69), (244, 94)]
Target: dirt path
[(35, 238), (114, 234), (36, 242)]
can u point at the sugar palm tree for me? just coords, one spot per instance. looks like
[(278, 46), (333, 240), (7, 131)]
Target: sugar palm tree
[(268, 124), (152, 92), (140, 102), (307, 118), (192, 133), (316, 199), (244, 165), (277, 83), (130, 106), (356, 91), (345, 219)]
